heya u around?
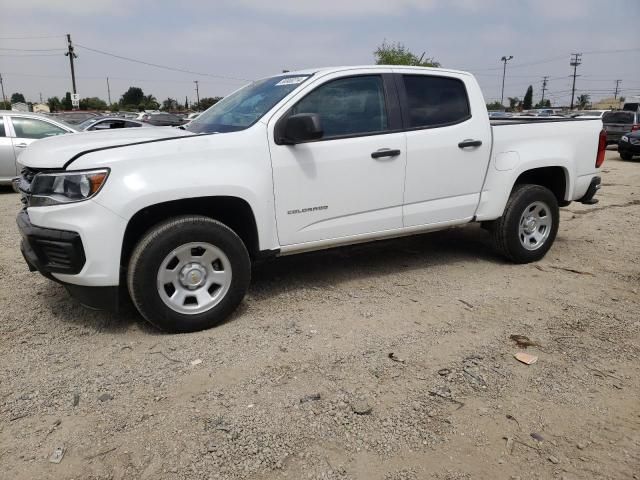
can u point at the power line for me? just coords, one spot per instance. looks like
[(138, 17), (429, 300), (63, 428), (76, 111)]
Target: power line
[(30, 54), (34, 49), (161, 66), (29, 37)]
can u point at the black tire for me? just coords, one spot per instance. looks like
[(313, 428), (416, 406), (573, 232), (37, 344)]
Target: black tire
[(506, 230), (160, 241), (626, 156)]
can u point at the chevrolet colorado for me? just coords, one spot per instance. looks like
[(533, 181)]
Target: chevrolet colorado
[(292, 163)]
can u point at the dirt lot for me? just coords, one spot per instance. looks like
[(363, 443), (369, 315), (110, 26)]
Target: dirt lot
[(301, 383)]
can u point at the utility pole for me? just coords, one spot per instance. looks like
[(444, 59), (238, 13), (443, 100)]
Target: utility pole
[(71, 56), (40, 97), (197, 93), (575, 61), (615, 95), (504, 72), (4, 98), (108, 92), (544, 88)]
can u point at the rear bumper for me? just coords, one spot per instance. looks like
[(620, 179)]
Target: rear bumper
[(594, 186), (50, 251)]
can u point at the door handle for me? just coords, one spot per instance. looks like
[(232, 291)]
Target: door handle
[(469, 143), (385, 152), (21, 145)]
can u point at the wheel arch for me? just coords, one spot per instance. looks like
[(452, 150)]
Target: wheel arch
[(555, 178), (234, 212)]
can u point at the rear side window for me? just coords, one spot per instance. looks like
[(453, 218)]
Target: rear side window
[(618, 117), (435, 101), (34, 128), (2, 132), (348, 106)]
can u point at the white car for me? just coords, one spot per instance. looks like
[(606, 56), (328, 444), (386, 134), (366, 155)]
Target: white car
[(297, 162)]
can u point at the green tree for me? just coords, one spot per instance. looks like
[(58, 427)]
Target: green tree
[(528, 99), (583, 100), (514, 103), (92, 103), (495, 106), (17, 98), (54, 104), (170, 104), (132, 98), (207, 102), (398, 54), (5, 105), (622, 99), (150, 102), (66, 103), (544, 104)]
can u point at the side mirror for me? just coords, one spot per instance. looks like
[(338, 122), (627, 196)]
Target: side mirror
[(301, 128)]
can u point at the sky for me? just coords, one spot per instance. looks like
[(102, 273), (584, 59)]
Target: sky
[(226, 43)]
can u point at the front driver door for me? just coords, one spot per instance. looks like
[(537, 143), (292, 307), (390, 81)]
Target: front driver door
[(333, 187)]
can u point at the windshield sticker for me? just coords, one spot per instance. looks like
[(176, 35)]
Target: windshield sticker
[(291, 81)]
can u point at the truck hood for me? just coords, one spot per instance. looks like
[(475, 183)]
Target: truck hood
[(54, 152)]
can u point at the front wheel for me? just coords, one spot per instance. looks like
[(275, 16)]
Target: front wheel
[(626, 156), (529, 225), (188, 273)]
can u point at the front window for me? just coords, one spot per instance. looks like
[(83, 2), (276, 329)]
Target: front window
[(245, 107)]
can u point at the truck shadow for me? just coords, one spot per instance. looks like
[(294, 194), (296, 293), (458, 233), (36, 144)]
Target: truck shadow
[(310, 270), (332, 267)]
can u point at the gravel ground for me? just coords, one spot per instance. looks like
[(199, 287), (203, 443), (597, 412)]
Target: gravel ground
[(389, 361)]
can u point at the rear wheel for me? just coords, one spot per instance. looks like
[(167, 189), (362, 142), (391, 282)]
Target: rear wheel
[(188, 273), (529, 225), (626, 156)]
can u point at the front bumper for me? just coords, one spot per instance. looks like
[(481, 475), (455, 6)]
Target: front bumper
[(628, 147), (51, 251)]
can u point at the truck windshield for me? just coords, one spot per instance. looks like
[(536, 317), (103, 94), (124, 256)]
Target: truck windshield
[(245, 107)]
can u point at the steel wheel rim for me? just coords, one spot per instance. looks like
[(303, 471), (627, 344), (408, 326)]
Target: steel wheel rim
[(194, 277), (535, 225)]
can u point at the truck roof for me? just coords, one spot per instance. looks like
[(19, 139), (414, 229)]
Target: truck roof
[(326, 70)]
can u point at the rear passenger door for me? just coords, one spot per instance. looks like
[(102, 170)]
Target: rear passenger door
[(448, 146)]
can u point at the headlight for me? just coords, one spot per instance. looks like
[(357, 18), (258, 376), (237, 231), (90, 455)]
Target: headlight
[(65, 187), (625, 138)]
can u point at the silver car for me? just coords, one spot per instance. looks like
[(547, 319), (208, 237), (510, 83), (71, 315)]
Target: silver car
[(108, 123), (17, 131)]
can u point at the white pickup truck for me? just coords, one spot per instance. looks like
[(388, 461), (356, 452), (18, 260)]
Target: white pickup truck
[(291, 163)]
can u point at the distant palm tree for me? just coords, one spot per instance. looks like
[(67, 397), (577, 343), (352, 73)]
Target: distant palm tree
[(150, 101), (583, 100)]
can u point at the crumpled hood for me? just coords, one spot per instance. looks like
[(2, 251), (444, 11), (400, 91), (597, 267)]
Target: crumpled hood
[(54, 152)]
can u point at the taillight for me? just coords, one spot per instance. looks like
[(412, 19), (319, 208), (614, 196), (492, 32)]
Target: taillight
[(635, 127), (602, 148)]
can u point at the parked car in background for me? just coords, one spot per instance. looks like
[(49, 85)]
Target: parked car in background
[(499, 114), (17, 131), (588, 113), (74, 118), (629, 145), (631, 107), (108, 123), (162, 119), (193, 116), (618, 122)]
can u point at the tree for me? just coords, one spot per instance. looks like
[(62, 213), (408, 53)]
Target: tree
[(17, 98), (170, 104), (150, 102), (66, 103), (92, 103), (5, 105), (622, 99), (207, 102), (132, 98), (583, 100), (398, 54), (514, 103), (495, 106), (543, 104), (54, 104), (528, 99), (114, 107)]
